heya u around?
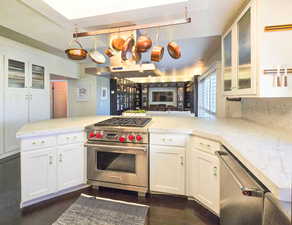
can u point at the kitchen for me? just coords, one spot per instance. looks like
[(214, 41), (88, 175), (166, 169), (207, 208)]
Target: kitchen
[(112, 116)]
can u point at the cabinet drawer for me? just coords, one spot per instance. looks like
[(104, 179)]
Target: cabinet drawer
[(205, 145), (40, 142), (71, 138), (168, 139)]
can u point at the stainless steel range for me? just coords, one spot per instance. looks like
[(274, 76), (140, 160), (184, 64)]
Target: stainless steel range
[(117, 153)]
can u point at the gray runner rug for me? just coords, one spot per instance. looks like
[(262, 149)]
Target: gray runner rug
[(89, 210)]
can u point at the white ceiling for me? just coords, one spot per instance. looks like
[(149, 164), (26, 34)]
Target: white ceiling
[(37, 20)]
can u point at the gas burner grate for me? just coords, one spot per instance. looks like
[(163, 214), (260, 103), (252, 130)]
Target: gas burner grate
[(124, 122)]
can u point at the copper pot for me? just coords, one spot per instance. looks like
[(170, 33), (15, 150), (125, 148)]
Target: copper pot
[(127, 47), (76, 53), (118, 43), (174, 50), (136, 55), (143, 43), (109, 52), (157, 53)]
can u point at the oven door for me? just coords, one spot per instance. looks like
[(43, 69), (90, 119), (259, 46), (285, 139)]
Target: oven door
[(114, 163)]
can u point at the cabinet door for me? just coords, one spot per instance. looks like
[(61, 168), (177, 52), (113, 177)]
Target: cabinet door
[(15, 116), (167, 169), (204, 178), (39, 106), (227, 61), (38, 173), (244, 51), (70, 166)]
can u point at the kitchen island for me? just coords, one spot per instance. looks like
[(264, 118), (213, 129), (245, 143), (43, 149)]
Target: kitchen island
[(265, 152)]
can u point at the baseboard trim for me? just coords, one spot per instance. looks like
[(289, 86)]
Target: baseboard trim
[(54, 195)]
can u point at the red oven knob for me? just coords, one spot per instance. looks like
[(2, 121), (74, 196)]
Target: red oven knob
[(99, 135), (139, 138), (122, 139), (131, 137), (91, 134)]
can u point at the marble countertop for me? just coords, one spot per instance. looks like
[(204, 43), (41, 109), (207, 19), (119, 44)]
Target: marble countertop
[(266, 152)]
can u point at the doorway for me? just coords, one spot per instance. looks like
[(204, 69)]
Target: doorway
[(59, 99)]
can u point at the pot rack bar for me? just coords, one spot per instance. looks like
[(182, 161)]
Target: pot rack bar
[(130, 28), (275, 71), (284, 27)]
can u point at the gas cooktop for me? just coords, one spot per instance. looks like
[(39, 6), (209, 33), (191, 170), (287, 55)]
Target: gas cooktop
[(125, 122)]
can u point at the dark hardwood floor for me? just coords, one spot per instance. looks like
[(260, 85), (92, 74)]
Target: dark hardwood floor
[(164, 210)]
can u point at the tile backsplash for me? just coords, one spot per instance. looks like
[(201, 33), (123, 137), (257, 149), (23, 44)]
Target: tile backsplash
[(270, 112)]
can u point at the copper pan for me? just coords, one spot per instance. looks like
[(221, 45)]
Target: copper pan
[(174, 50), (157, 53), (109, 52), (118, 43), (76, 53), (143, 43), (127, 47)]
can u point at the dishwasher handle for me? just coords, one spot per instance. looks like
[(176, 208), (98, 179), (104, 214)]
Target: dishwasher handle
[(252, 192)]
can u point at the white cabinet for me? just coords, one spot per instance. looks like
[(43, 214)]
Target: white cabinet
[(26, 97), (238, 54), (167, 169), (204, 184), (70, 165), (49, 168), (203, 177), (38, 173)]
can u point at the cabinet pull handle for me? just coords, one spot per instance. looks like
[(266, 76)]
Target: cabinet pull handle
[(60, 157), (182, 160), (43, 142), (215, 171), (50, 160)]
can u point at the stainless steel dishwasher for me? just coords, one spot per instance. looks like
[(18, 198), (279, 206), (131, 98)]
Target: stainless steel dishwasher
[(241, 195)]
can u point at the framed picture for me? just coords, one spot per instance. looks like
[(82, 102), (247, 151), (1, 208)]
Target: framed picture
[(83, 93), (104, 93)]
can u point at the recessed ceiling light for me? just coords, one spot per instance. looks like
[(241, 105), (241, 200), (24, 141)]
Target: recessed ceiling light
[(86, 8)]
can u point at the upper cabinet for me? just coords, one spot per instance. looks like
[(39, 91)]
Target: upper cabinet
[(238, 51), (247, 51)]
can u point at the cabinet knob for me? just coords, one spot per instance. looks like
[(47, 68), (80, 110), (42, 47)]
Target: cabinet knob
[(215, 171), (60, 157), (43, 142), (182, 160), (50, 160)]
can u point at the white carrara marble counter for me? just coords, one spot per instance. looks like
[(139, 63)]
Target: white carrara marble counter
[(266, 152)]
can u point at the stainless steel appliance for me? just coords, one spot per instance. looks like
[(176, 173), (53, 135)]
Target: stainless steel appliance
[(276, 212), (241, 195), (117, 153)]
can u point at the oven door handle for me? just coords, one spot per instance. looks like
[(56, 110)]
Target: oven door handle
[(116, 147)]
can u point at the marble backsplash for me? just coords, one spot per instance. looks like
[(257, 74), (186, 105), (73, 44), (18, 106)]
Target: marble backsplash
[(270, 112)]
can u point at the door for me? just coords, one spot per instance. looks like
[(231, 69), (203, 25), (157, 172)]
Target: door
[(59, 99), (38, 173), (16, 100), (39, 98), (70, 170), (204, 183), (167, 169)]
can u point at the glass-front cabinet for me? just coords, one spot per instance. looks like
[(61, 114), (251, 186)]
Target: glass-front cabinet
[(244, 73), (20, 74), (38, 77), (227, 61), (16, 74), (239, 77)]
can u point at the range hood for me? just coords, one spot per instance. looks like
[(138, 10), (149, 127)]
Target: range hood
[(120, 68)]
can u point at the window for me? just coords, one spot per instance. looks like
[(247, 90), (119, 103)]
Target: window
[(207, 95)]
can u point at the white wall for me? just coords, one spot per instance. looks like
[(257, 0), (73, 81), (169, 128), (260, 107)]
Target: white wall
[(1, 105)]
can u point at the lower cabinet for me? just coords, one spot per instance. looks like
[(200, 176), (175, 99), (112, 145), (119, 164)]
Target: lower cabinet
[(70, 166), (38, 173), (204, 178), (48, 170), (167, 169)]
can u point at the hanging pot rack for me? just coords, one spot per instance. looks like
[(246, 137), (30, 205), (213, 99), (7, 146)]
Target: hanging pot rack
[(185, 20)]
